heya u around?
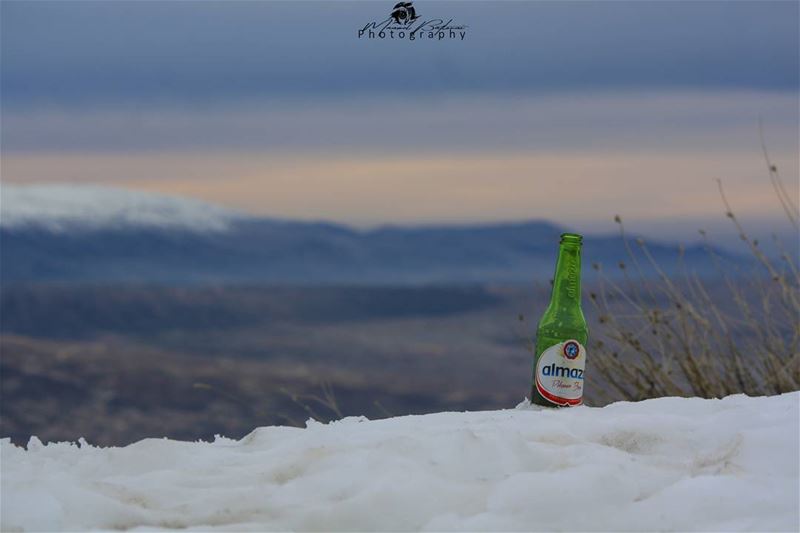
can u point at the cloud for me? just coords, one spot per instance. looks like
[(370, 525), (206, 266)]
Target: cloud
[(79, 54), (567, 158), (367, 190), (655, 121), (564, 110)]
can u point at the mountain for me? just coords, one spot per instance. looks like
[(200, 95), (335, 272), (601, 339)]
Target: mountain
[(97, 234), (65, 208)]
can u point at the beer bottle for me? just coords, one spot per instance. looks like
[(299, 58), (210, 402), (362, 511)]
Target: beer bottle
[(562, 334)]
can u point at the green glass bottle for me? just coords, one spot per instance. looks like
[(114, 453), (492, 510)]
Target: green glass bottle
[(562, 334)]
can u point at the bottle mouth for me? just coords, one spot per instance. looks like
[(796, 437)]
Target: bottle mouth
[(571, 238)]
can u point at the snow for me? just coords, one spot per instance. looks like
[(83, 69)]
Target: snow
[(664, 464), (61, 207)]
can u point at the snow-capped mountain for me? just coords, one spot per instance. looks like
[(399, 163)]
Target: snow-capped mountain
[(96, 234), (61, 208)]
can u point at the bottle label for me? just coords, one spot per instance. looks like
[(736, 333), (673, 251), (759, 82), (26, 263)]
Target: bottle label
[(559, 373)]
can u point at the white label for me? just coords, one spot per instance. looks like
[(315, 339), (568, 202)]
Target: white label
[(559, 373)]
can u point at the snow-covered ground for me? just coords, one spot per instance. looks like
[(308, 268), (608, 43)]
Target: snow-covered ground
[(666, 464)]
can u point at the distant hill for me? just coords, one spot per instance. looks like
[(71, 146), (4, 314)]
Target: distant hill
[(103, 235)]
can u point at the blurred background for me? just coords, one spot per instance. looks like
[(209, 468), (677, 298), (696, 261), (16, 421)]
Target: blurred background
[(220, 215)]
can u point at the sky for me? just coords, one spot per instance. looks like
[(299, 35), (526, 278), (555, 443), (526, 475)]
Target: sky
[(567, 111)]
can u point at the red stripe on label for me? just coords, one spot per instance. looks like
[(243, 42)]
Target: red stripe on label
[(558, 400)]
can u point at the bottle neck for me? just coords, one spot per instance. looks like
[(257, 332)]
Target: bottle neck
[(567, 280)]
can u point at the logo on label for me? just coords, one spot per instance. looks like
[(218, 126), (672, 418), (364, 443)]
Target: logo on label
[(571, 349), (559, 373)]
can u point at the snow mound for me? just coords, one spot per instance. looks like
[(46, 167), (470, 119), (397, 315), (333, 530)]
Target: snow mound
[(62, 207), (665, 464)]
